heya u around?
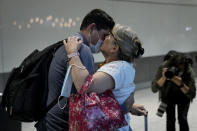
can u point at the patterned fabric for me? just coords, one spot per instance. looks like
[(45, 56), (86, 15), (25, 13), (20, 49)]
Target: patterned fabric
[(93, 112)]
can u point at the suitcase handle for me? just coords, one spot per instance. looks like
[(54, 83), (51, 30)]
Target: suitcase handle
[(146, 122)]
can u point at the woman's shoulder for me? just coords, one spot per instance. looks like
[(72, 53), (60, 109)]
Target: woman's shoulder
[(124, 64), (118, 65)]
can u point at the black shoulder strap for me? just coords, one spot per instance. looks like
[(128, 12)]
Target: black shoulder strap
[(54, 102)]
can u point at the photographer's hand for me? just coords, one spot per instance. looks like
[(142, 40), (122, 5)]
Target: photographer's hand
[(178, 81), (162, 80), (164, 71)]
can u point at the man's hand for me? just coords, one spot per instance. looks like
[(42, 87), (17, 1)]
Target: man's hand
[(129, 102), (138, 109)]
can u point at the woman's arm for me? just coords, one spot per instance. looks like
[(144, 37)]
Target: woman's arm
[(101, 80)]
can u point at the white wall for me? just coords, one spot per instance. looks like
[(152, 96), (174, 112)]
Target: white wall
[(1, 42), (161, 26)]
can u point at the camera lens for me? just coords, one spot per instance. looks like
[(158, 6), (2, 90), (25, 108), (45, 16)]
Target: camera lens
[(161, 109), (169, 74), (172, 71)]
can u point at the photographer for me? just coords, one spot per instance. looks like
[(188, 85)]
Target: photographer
[(176, 85)]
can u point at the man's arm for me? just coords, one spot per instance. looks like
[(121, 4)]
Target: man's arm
[(128, 103), (138, 109), (130, 106)]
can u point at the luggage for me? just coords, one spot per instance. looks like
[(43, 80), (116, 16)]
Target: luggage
[(146, 122)]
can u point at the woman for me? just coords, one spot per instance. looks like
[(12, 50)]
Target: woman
[(120, 49), (176, 85)]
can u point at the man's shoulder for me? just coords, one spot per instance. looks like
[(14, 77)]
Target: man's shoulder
[(61, 50), (85, 52), (84, 49)]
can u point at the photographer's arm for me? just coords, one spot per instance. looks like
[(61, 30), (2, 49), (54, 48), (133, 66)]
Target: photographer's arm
[(191, 84), (178, 81), (188, 87), (162, 80), (185, 89), (159, 80)]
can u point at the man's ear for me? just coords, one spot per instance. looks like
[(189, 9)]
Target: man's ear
[(91, 27)]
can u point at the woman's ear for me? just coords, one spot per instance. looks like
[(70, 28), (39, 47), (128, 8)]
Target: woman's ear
[(115, 48)]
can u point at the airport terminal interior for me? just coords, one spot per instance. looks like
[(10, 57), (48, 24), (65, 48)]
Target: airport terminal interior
[(162, 25)]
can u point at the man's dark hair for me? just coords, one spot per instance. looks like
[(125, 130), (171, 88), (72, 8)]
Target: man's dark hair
[(100, 18)]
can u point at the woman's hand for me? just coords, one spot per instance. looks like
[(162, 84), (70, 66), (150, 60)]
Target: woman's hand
[(72, 44)]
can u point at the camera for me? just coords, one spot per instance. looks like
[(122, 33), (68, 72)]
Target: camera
[(161, 109), (172, 71)]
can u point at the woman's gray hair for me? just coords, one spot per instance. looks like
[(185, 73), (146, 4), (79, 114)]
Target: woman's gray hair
[(128, 42)]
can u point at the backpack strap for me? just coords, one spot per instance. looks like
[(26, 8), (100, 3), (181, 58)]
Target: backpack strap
[(54, 102)]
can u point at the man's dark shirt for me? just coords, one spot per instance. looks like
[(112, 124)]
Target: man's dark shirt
[(57, 119)]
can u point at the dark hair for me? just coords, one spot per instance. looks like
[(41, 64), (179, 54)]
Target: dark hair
[(137, 54), (177, 60), (169, 55), (100, 18), (130, 46)]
